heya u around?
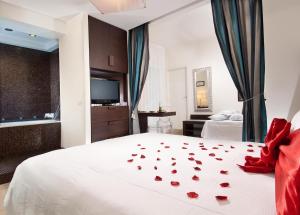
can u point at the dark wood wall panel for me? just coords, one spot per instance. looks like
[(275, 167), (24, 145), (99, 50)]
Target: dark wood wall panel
[(25, 82), (108, 46)]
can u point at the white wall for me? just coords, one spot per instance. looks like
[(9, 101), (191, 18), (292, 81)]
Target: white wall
[(282, 50), (200, 54), (282, 46), (74, 83)]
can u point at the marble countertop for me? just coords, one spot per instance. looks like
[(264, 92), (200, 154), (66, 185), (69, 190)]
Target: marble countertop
[(27, 123)]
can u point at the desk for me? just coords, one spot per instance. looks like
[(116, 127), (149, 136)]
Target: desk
[(143, 118)]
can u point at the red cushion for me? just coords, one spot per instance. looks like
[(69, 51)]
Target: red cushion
[(277, 135), (287, 177)]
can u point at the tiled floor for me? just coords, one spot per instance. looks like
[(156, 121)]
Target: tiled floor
[(3, 189)]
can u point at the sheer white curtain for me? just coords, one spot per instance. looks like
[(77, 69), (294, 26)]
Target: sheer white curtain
[(155, 89)]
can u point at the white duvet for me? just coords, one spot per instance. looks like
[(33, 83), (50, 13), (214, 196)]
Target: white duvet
[(97, 179)]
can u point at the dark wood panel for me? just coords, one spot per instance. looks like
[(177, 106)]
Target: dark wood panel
[(110, 129), (200, 116), (110, 113), (108, 46)]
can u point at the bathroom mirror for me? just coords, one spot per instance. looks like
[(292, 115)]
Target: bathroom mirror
[(203, 89)]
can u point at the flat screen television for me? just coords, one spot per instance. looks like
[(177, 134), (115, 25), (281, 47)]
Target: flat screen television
[(105, 91)]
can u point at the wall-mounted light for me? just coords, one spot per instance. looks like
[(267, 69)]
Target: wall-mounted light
[(113, 6), (8, 29)]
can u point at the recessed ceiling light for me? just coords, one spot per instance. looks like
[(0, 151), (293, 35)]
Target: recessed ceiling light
[(32, 35), (8, 29)]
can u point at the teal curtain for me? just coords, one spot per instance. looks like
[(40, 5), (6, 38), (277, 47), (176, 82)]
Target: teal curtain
[(239, 29), (138, 62)]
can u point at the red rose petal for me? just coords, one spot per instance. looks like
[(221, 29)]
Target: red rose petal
[(219, 159), (158, 178), (139, 167), (175, 183), (186, 144), (220, 145), (143, 156), (225, 184), (158, 159), (232, 147), (174, 171), (198, 162), (162, 143), (191, 158), (173, 159), (222, 198), (197, 168), (260, 146), (192, 195), (201, 143), (133, 155), (167, 147), (250, 150), (224, 172), (155, 167), (204, 148), (143, 148), (212, 154), (195, 178), (191, 154), (130, 161), (226, 151), (201, 146), (173, 164), (215, 148), (158, 150), (138, 144), (184, 148), (250, 145)]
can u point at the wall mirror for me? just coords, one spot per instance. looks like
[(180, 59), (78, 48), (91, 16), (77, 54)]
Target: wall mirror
[(203, 89)]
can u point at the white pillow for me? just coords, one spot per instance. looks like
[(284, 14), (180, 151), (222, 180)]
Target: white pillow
[(228, 113), (218, 117), (236, 117), (296, 122)]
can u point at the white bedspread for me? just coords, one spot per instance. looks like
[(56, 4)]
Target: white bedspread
[(223, 130), (97, 180)]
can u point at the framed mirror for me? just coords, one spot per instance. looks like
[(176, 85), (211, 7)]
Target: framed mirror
[(202, 89)]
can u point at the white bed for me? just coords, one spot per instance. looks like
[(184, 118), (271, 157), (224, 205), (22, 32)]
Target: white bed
[(223, 130), (98, 179)]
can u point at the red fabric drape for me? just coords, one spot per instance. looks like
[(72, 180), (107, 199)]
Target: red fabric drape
[(287, 177), (277, 135)]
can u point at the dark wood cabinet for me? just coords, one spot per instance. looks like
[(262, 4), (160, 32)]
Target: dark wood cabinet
[(108, 47), (109, 122), (194, 126), (108, 60)]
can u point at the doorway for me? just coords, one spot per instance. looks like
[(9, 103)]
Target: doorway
[(178, 95)]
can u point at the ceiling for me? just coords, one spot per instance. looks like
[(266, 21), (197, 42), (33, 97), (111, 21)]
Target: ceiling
[(64, 9), (187, 26), (20, 36)]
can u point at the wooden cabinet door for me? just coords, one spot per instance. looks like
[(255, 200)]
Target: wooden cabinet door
[(108, 47)]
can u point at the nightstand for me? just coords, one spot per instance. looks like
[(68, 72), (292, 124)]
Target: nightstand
[(194, 126)]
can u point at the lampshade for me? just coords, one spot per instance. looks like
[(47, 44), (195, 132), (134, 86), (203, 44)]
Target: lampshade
[(112, 6)]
